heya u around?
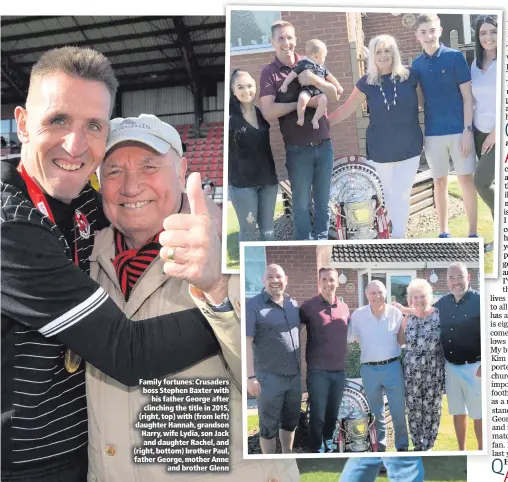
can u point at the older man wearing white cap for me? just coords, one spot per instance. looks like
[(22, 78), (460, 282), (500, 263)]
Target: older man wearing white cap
[(142, 181)]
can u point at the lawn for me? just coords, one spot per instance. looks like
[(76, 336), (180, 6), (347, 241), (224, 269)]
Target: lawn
[(458, 227), (445, 441), (437, 469), (233, 248)]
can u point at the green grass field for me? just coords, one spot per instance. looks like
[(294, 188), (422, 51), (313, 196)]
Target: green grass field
[(458, 227), (437, 469)]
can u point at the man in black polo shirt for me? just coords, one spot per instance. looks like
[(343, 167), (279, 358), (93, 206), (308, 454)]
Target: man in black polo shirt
[(459, 313), (273, 360), (52, 311)]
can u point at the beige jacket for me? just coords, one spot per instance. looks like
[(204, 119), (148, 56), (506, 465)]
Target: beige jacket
[(113, 408)]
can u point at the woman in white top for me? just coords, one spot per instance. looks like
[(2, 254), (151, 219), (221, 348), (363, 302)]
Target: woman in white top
[(483, 76)]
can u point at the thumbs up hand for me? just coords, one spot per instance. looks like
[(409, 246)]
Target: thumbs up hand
[(190, 243)]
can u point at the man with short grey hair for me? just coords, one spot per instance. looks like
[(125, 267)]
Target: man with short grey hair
[(273, 360), (143, 180), (375, 326)]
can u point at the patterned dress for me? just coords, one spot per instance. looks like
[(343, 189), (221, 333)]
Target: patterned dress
[(424, 376)]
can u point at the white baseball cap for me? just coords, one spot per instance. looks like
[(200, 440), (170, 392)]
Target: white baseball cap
[(147, 129)]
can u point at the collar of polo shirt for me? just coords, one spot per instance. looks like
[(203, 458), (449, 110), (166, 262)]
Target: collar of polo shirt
[(437, 53)]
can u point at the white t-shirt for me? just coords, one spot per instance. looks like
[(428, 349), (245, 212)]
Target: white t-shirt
[(484, 97), (377, 338)]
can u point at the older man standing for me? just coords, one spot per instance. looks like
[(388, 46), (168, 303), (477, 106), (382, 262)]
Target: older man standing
[(326, 319), (309, 151), (273, 360), (459, 313), (142, 181), (52, 311), (375, 326)]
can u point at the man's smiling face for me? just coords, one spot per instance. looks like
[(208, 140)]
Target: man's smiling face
[(284, 43), (275, 281), (64, 130), (141, 187)]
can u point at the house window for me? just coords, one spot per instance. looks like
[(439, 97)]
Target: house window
[(255, 265), (250, 30), (396, 283)]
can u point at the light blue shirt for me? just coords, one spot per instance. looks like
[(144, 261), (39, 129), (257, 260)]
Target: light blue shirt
[(377, 337)]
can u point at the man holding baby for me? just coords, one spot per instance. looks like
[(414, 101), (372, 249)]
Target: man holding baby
[(309, 150)]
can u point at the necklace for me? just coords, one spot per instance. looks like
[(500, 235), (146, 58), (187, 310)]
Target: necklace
[(394, 102)]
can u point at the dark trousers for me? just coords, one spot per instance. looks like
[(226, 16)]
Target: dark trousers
[(325, 390)]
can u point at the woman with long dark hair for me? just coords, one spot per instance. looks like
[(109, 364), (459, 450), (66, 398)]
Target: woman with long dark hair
[(483, 79), (251, 168)]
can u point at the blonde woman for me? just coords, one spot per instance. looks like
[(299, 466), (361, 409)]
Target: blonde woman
[(424, 373), (394, 136)]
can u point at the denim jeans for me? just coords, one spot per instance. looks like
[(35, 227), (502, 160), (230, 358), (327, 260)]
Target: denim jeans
[(325, 395), (390, 379), (399, 469), (310, 167), (254, 205)]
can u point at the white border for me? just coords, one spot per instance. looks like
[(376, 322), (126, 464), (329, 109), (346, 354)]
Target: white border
[(484, 354), (499, 103)]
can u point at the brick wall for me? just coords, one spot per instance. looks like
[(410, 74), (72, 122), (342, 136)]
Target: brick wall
[(351, 298), (385, 23), (334, 29), (441, 286), (300, 265)]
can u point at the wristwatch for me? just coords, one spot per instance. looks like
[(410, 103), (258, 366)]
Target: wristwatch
[(468, 128), (222, 307)]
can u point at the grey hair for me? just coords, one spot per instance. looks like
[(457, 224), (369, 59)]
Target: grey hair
[(379, 284), (398, 70), (419, 284)]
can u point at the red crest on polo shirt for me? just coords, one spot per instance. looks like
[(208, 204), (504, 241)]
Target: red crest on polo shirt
[(83, 225)]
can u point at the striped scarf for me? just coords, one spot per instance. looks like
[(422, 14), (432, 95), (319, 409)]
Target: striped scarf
[(130, 264)]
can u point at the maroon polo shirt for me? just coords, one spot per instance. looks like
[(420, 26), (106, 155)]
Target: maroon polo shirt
[(326, 333), (272, 77)]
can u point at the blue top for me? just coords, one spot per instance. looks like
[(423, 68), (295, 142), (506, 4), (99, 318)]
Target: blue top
[(276, 333), (440, 78), (460, 327), (393, 135)]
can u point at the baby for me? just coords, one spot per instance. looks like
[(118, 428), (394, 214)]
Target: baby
[(314, 61)]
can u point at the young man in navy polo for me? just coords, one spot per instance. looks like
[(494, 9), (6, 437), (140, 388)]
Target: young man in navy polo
[(445, 79)]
